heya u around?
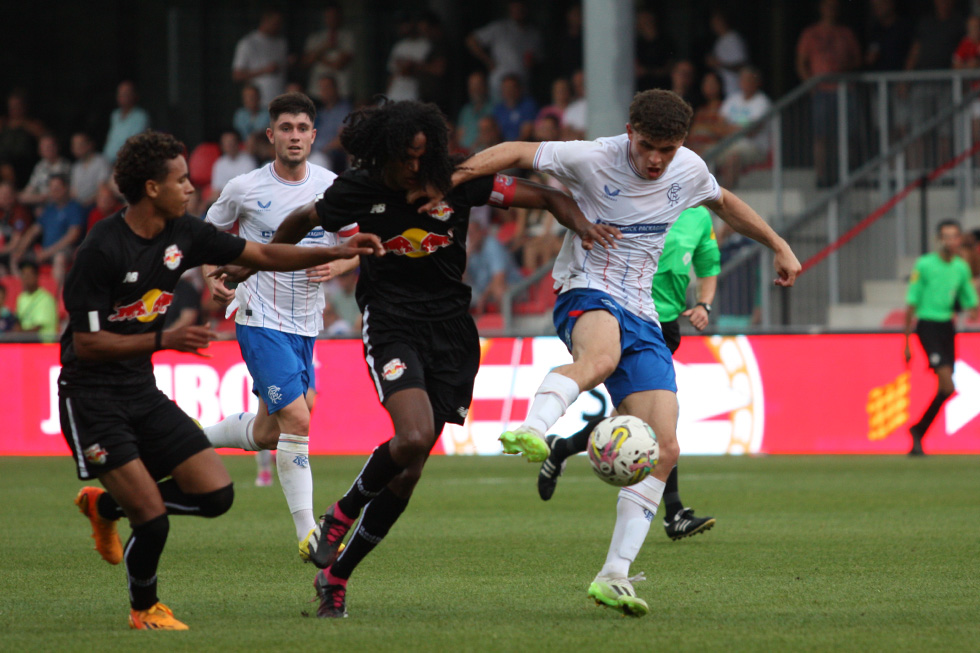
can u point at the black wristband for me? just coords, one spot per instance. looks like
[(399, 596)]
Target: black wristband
[(158, 342), (706, 306)]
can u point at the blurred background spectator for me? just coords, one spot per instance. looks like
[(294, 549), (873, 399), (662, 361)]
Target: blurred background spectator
[(654, 53), (508, 46), (88, 172), (576, 117), (741, 110), (37, 309), (329, 52), (15, 219), (8, 320), (406, 59), (683, 81), (729, 52), (107, 202), (888, 39), (435, 71), (126, 120), (567, 51), (250, 121), (262, 57), (708, 125), (330, 114), (51, 163), (60, 228), (516, 111), (232, 162), (477, 107), (490, 268), (19, 133)]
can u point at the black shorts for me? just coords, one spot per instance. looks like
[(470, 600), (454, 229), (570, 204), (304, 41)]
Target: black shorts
[(938, 339), (440, 357), (672, 334), (106, 433)]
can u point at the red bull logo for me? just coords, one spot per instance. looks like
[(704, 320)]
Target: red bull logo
[(441, 211), (145, 309), (172, 256), (417, 242)]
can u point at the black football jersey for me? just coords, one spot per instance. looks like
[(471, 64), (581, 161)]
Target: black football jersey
[(122, 283), (420, 277)]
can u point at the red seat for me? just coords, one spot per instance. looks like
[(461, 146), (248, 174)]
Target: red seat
[(200, 163), (895, 318), (13, 285)]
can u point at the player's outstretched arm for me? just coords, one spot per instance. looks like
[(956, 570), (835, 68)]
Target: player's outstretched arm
[(105, 346), (281, 257), (503, 156), (743, 219), (529, 195)]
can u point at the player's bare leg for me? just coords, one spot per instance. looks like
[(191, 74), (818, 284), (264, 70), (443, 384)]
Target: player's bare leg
[(416, 432), (595, 355)]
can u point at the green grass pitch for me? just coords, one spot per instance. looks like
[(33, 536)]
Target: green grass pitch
[(809, 553)]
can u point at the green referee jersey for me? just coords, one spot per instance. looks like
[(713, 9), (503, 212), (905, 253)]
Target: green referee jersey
[(935, 285), (690, 240)]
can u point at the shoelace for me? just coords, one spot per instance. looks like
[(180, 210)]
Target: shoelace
[(637, 578)]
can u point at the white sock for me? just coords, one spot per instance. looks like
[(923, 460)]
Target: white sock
[(553, 397), (634, 512), (234, 431), (264, 461), (296, 479)]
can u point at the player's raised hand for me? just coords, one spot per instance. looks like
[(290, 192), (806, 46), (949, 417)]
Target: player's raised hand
[(360, 244), (321, 273), (787, 267), (232, 274), (430, 193), (221, 293), (190, 339), (602, 234)]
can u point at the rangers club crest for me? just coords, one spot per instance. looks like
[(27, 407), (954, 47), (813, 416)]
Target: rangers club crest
[(674, 194)]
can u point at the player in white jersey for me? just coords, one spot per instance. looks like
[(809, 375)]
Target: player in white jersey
[(639, 182), (278, 314)]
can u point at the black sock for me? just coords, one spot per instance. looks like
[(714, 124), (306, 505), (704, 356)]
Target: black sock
[(107, 507), (378, 471), (672, 496), (177, 501), (142, 557), (379, 516), (573, 444), (937, 402)]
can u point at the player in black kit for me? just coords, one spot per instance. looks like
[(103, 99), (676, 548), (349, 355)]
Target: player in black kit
[(420, 343), (120, 427)]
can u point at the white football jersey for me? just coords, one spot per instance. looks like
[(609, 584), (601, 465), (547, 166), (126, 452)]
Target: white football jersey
[(601, 177), (260, 200)]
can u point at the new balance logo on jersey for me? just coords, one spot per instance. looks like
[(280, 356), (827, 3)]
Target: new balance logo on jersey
[(378, 208), (611, 192), (264, 207), (131, 277)]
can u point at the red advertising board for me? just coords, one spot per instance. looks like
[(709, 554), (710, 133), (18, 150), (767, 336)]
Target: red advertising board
[(798, 394)]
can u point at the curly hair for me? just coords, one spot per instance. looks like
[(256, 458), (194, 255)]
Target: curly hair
[(144, 157), (378, 135), (660, 115)]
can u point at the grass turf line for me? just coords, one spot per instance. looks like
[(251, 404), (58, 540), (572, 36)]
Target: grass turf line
[(809, 553)]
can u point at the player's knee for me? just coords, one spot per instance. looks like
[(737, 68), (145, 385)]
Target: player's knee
[(412, 443), (601, 367), (670, 451), (154, 530), (216, 503)]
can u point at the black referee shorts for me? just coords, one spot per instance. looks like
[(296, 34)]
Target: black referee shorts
[(440, 357), (938, 339), (107, 432), (672, 334)]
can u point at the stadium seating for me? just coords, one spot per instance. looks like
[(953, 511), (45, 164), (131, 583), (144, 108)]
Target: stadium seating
[(200, 162)]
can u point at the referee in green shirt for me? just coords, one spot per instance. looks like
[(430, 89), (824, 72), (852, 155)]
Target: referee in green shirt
[(690, 241), (938, 281)]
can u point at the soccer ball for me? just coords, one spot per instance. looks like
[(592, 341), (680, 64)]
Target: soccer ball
[(623, 450)]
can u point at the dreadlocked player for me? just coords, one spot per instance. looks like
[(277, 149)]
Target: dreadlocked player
[(420, 343)]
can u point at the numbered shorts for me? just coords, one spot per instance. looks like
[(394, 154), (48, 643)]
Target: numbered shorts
[(645, 362), (938, 339), (106, 432), (439, 357), (281, 364)]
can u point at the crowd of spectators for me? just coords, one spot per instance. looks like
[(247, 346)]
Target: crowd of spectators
[(48, 201)]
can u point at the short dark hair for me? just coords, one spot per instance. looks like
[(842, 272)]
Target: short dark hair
[(60, 176), (144, 157), (376, 135), (660, 115), (28, 263), (293, 103), (948, 222)]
